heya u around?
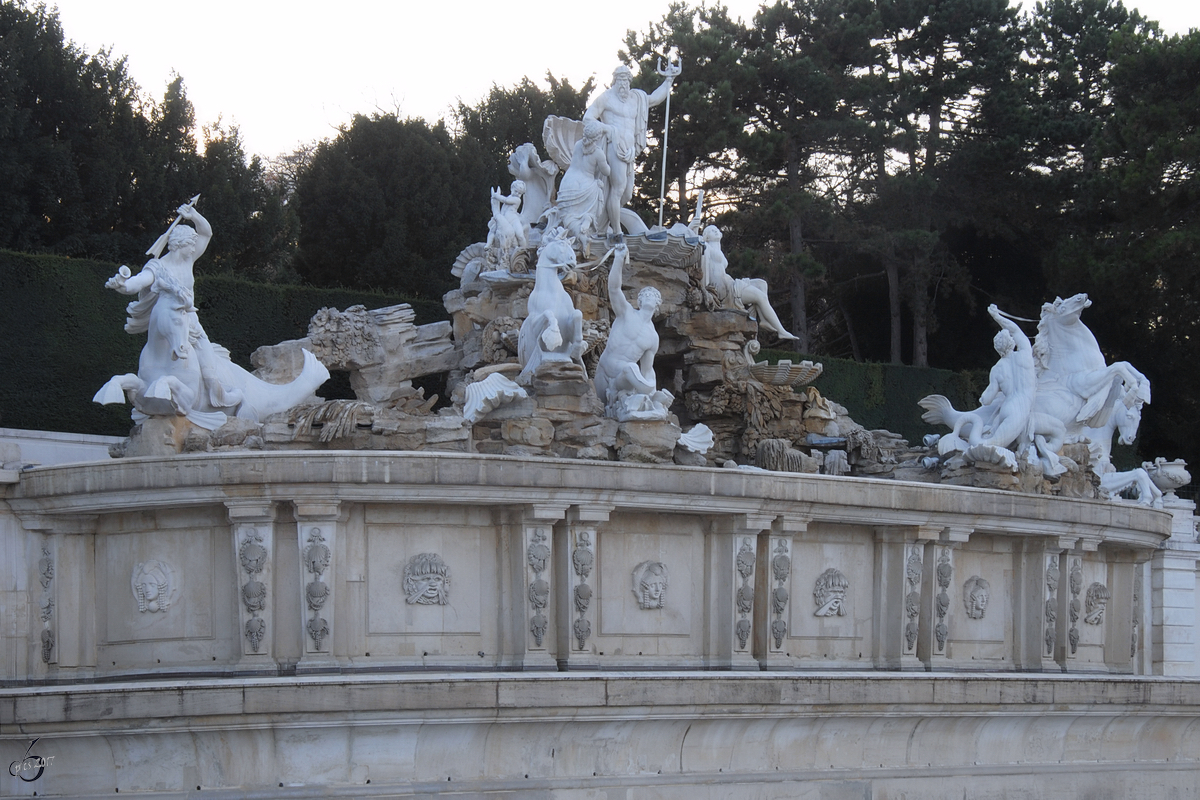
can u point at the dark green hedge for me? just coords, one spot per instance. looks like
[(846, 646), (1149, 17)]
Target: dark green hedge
[(886, 395), (63, 336)]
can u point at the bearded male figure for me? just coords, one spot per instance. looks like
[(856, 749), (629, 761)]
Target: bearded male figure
[(624, 111)]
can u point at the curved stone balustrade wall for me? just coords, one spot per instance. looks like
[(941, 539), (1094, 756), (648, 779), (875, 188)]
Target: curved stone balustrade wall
[(267, 562), (665, 735)]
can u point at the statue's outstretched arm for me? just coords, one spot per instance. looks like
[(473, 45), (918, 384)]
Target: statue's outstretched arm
[(616, 297), (1007, 324), (660, 94), (123, 283), (204, 231)]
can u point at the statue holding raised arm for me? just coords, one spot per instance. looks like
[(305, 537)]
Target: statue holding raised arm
[(1012, 384), (506, 230), (625, 379), (180, 372), (625, 113)]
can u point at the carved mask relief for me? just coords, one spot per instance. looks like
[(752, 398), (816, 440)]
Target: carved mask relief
[(829, 593), (650, 584), (426, 580), (153, 586), (976, 593), (1094, 603)]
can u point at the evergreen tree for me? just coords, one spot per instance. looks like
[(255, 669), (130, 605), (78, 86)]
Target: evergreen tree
[(390, 203)]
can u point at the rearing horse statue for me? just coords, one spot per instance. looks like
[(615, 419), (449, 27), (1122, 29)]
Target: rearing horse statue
[(1074, 400)]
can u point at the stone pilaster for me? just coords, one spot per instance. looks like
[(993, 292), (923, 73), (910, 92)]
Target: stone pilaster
[(1119, 645), (1068, 601), (1030, 593), (899, 576), (732, 568), (66, 592), (318, 526), (533, 569), (772, 606), (252, 527), (937, 607), (577, 550)]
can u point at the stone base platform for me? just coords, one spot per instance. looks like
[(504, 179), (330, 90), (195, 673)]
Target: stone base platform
[(685, 735)]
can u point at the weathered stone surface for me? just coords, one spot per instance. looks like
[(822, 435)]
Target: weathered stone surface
[(686, 458), (159, 436), (235, 432), (984, 475), (560, 378), (533, 432), (649, 442)]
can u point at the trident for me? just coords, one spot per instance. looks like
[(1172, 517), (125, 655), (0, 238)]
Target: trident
[(672, 70), (161, 242)]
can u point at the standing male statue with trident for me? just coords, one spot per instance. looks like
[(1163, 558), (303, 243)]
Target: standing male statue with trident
[(624, 111)]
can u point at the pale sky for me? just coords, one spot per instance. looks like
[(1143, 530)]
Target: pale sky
[(287, 73)]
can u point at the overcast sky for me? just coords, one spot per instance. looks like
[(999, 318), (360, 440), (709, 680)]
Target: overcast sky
[(292, 72)]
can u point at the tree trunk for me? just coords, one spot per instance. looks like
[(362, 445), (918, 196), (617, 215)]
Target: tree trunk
[(920, 344), (796, 244), (799, 313), (854, 349), (893, 278)]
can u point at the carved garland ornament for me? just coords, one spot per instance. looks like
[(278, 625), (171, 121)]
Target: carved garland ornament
[(253, 557), (46, 604), (745, 593), (538, 557), (1051, 612), (1075, 583), (944, 574), (781, 569), (582, 561), (912, 600), (316, 592)]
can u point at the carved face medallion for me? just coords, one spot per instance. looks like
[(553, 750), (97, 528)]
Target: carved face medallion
[(650, 584), (976, 593)]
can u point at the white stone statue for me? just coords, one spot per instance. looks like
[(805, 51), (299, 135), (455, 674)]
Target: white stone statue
[(1076, 396), (624, 111), (553, 330), (538, 177), (506, 230), (737, 292), (625, 380), (582, 192), (180, 372)]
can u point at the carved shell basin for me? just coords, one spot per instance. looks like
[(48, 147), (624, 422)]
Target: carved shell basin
[(785, 373)]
